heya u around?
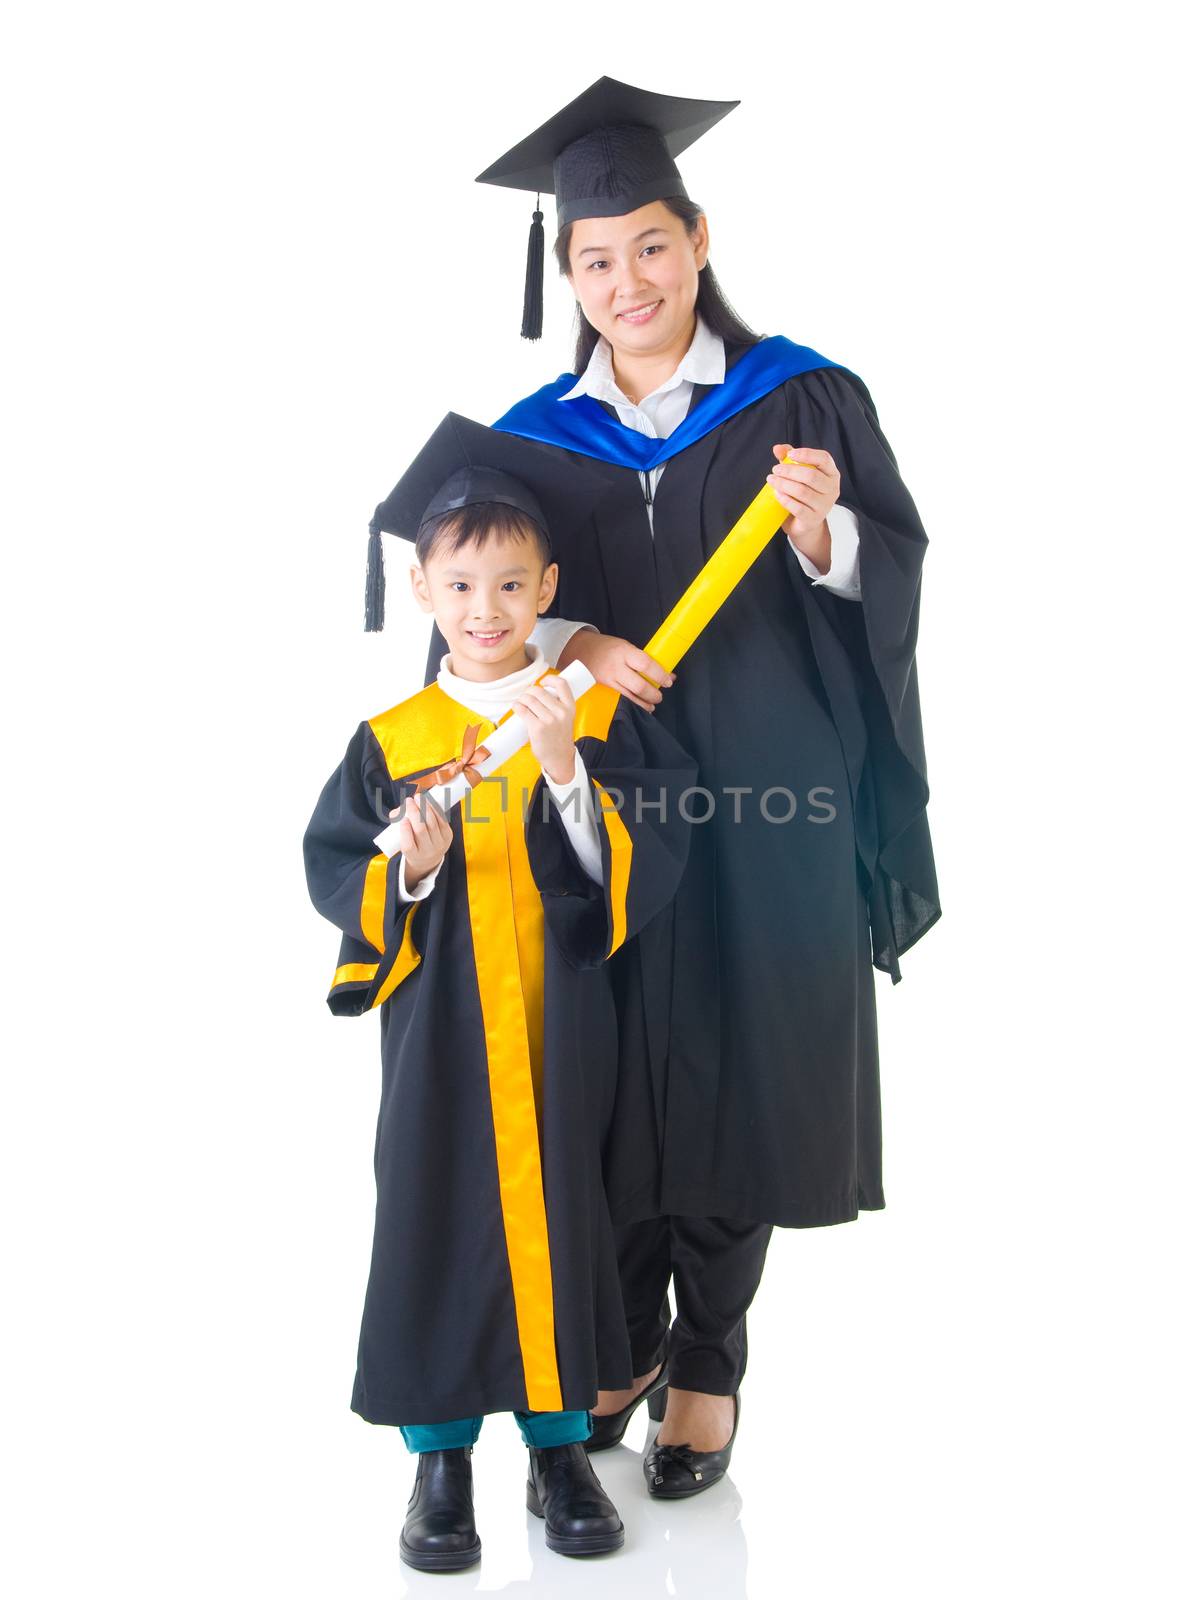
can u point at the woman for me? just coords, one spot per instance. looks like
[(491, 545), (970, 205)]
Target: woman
[(749, 1092)]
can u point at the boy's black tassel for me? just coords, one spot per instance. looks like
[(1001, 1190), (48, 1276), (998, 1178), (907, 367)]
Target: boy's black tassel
[(374, 588), (533, 299)]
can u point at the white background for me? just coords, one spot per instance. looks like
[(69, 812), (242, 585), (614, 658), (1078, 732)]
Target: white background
[(248, 271)]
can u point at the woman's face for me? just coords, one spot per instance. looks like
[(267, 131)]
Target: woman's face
[(636, 277)]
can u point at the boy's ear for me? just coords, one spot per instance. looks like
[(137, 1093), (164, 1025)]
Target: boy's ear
[(418, 583), (547, 586)]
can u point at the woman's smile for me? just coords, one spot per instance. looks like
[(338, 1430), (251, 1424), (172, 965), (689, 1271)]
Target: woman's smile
[(641, 314)]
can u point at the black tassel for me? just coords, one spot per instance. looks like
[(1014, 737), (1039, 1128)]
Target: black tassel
[(533, 298), (374, 587)]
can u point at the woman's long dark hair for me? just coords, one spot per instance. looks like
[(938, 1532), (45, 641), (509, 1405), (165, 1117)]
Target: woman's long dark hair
[(711, 305)]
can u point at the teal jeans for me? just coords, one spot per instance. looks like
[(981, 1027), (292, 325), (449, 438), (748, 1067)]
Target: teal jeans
[(540, 1429)]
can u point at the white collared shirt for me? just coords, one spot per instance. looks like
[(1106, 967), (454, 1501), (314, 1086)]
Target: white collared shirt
[(658, 413), (656, 416)]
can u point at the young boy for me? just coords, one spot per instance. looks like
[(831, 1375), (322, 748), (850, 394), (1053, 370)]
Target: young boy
[(481, 937)]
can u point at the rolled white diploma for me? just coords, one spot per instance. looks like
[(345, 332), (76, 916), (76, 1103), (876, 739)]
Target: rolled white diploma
[(507, 738)]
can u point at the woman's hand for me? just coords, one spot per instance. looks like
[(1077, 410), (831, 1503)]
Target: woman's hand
[(618, 664), (426, 837), (547, 710), (808, 485)]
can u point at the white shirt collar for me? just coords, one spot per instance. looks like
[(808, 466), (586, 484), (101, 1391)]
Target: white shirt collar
[(492, 698), (704, 362)]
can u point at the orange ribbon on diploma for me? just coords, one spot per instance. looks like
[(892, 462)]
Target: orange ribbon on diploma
[(472, 755)]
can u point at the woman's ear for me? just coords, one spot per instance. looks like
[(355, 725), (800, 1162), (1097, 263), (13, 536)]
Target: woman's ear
[(701, 240), (418, 583)]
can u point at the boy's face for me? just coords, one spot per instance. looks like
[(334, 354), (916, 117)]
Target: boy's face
[(485, 599)]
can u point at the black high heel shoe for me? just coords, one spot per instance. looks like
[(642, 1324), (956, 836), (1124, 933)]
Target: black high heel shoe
[(673, 1471), (609, 1431)]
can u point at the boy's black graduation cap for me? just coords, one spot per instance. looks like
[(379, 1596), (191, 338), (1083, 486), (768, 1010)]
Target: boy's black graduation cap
[(606, 153), (463, 464)]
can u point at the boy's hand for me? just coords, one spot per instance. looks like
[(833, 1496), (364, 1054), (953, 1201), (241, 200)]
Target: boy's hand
[(426, 837), (547, 710)]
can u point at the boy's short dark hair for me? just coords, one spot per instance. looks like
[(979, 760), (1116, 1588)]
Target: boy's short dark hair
[(476, 524)]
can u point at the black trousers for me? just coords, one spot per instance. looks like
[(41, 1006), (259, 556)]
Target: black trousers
[(715, 1266)]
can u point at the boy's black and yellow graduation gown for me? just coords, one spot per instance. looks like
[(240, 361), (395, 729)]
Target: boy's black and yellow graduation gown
[(493, 1283), (750, 1083)]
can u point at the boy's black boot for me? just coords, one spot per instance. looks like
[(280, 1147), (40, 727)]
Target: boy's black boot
[(440, 1532), (579, 1519)]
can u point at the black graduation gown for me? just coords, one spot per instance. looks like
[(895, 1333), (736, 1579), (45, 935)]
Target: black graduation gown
[(493, 1282), (749, 1080)]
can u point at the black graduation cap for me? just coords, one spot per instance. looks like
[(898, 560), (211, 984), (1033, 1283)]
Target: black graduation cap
[(463, 464), (608, 152)]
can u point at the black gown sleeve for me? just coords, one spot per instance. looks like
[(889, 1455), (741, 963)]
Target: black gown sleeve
[(639, 775), (835, 410), (355, 886)]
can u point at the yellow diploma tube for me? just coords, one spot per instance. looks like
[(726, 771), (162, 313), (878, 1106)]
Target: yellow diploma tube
[(717, 579)]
